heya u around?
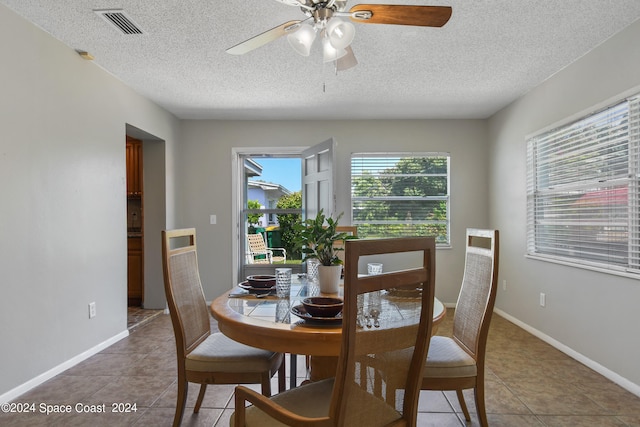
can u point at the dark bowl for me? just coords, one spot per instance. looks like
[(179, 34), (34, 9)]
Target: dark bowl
[(262, 281), (323, 306)]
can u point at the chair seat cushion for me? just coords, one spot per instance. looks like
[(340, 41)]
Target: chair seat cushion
[(446, 359), (310, 400), (219, 353), (313, 400)]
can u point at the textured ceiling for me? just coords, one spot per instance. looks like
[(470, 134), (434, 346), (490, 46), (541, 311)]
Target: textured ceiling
[(490, 53)]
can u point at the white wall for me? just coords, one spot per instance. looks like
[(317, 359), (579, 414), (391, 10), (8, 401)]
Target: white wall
[(205, 178), (63, 209), (593, 314)]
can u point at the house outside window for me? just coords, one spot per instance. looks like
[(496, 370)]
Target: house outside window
[(267, 195), (401, 194), (583, 191)]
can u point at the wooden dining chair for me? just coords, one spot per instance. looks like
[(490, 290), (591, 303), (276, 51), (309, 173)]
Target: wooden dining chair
[(457, 362), (351, 231), (206, 358), (357, 396)]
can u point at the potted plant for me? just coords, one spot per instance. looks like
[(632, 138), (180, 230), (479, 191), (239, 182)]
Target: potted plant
[(317, 237)]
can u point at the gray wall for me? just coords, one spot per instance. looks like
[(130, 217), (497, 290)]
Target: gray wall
[(63, 210), (205, 163), (591, 313)]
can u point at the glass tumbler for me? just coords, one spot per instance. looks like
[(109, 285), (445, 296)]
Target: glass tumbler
[(374, 268), (312, 269), (282, 311), (283, 282)]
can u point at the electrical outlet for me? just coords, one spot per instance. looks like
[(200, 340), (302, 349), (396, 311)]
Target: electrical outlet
[(504, 285), (543, 299), (92, 310)]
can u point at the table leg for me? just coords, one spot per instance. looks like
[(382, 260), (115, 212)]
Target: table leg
[(323, 367), (293, 370)]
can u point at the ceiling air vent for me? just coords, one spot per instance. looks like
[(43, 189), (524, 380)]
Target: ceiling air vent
[(118, 19)]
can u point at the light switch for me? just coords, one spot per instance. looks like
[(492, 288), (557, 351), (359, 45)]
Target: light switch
[(212, 219)]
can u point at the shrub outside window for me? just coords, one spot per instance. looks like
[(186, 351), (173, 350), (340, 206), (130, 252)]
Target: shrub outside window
[(401, 194)]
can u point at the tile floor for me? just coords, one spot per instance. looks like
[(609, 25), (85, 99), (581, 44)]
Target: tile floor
[(529, 383), (137, 316)]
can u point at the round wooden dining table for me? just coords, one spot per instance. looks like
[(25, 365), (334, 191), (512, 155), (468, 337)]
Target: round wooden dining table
[(269, 323)]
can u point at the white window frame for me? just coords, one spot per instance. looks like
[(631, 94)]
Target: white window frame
[(583, 183), (445, 241)]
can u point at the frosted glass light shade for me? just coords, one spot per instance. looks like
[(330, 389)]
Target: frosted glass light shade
[(302, 39), (340, 33), (330, 53)]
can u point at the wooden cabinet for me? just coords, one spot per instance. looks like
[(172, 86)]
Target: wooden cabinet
[(135, 252), (135, 271), (134, 167)]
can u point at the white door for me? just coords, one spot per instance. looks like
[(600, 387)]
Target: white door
[(318, 179)]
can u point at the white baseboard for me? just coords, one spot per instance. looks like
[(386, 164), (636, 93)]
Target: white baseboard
[(605, 372), (34, 382)]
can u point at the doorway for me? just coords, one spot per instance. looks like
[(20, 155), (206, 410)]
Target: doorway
[(264, 203), (135, 222), (151, 221)]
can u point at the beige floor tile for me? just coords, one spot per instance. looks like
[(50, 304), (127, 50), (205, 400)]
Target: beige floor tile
[(435, 419), (582, 421), (612, 397), (65, 389), (499, 399), (155, 417), (105, 364), (433, 401), (138, 390), (216, 397), (630, 421), (509, 420), (549, 397), (223, 421), (108, 419), (528, 383)]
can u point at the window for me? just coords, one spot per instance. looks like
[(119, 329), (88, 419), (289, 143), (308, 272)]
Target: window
[(582, 191), (401, 194)]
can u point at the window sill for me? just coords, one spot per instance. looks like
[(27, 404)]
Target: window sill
[(622, 273)]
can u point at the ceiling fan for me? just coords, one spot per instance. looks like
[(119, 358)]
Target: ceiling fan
[(324, 17)]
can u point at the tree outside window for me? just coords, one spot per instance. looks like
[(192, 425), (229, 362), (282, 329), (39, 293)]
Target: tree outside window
[(395, 195)]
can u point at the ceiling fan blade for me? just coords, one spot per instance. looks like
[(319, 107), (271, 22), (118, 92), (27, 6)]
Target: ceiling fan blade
[(264, 38), (423, 16), (347, 61)]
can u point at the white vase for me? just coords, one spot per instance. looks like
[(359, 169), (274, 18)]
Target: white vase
[(329, 278)]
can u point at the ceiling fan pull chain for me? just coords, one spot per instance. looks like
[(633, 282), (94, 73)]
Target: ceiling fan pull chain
[(324, 79)]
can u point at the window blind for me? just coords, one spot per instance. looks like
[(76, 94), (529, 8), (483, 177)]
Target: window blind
[(400, 194), (582, 189)]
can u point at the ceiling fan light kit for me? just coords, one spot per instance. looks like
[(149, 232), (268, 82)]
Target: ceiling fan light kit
[(340, 33), (337, 34), (329, 52), (302, 39)]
